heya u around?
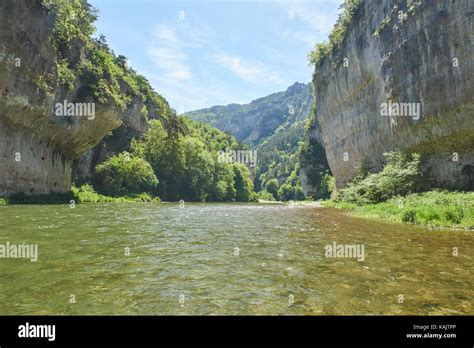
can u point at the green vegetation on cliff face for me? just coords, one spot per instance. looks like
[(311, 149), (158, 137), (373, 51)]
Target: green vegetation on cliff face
[(374, 58), (150, 152), (80, 58), (338, 33), (176, 159)]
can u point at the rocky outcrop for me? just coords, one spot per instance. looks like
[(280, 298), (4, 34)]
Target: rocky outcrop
[(313, 164), (37, 148), (420, 52), (134, 125)]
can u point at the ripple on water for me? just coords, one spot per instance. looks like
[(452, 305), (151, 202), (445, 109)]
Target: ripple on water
[(191, 252)]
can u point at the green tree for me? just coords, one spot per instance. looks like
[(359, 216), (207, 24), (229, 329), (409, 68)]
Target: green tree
[(198, 170), (165, 150), (242, 183), (272, 187), (124, 174), (222, 188)]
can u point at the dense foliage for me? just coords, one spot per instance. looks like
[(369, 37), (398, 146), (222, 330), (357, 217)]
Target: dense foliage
[(274, 127), (80, 58), (184, 157), (398, 177), (125, 174), (278, 161), (176, 159)]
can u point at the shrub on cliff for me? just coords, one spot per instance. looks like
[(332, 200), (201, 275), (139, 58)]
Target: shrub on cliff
[(125, 174), (338, 33), (398, 177), (91, 61)]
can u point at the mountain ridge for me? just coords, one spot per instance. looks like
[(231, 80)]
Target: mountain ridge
[(251, 123)]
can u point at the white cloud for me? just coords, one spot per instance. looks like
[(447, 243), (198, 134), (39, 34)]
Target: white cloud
[(251, 71), (320, 16), (168, 51), (196, 94), (174, 76), (166, 33), (168, 55), (302, 36)]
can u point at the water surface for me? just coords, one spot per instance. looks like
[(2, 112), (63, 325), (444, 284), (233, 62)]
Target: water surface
[(209, 259)]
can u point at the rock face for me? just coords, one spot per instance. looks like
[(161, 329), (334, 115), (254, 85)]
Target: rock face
[(134, 125), (37, 148), (421, 53)]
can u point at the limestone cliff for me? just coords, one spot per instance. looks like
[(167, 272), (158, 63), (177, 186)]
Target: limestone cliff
[(134, 125), (399, 51), (37, 147)]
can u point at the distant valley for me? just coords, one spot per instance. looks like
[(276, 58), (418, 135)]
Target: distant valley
[(274, 126)]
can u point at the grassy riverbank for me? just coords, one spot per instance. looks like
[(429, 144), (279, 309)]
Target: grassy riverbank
[(82, 194), (434, 208)]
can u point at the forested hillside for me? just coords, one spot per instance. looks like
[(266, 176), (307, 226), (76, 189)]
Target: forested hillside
[(253, 122), (132, 145), (275, 126)]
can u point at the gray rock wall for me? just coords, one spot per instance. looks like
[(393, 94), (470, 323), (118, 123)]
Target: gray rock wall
[(47, 144), (427, 57)]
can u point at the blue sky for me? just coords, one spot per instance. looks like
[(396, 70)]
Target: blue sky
[(215, 52)]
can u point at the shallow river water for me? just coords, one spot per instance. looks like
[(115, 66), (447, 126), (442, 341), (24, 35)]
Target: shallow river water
[(207, 259)]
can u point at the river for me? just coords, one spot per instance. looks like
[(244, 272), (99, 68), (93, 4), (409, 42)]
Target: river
[(210, 259)]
